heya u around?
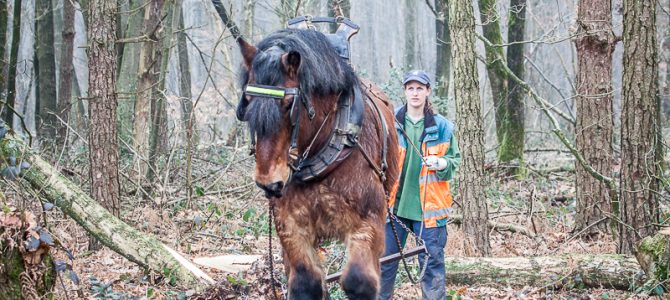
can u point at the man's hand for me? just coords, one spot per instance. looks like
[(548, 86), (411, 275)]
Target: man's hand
[(435, 163)]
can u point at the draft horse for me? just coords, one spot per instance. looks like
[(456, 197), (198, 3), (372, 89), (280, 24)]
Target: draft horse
[(322, 138)]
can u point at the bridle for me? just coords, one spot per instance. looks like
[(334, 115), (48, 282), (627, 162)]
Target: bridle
[(279, 93)]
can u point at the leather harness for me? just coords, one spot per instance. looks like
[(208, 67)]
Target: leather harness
[(344, 137)]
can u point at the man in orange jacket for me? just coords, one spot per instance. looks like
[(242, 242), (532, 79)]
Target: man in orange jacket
[(422, 198)]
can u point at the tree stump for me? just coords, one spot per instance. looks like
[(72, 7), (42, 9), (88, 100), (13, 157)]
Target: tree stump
[(653, 254)]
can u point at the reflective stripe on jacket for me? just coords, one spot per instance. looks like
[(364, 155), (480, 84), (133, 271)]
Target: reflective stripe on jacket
[(436, 198)]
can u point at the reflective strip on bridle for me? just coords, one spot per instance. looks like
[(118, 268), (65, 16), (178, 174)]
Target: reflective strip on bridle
[(269, 91)]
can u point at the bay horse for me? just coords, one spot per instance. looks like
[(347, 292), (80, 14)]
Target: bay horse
[(321, 137)]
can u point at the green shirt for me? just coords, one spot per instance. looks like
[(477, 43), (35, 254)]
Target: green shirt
[(409, 199)]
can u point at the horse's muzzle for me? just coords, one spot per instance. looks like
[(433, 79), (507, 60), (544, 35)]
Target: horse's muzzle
[(273, 189)]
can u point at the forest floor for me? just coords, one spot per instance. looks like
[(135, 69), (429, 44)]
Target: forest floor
[(228, 215)]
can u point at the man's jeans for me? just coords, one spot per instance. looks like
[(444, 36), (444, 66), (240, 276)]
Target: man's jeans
[(433, 283)]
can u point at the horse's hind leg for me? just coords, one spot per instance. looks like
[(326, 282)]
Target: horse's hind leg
[(365, 245)]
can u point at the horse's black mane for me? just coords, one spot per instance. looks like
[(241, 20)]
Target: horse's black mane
[(322, 72)]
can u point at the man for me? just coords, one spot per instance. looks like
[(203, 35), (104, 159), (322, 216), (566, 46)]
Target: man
[(422, 199)]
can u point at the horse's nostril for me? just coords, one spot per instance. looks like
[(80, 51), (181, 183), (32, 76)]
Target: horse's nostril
[(273, 189)]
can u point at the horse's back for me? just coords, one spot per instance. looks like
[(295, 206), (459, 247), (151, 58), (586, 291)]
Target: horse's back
[(375, 93)]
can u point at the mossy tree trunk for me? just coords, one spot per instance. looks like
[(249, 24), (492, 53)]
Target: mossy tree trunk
[(595, 126), (410, 26), (471, 134), (507, 97), (443, 44), (639, 207), (512, 147), (494, 64)]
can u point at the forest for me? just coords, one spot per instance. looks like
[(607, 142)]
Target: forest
[(126, 173)]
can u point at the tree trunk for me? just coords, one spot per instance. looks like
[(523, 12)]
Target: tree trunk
[(471, 135), (184, 72), (146, 80), (595, 126), (514, 123), (410, 27), (65, 100), (3, 44), (127, 75), (8, 115), (494, 67), (138, 247), (568, 270), (45, 68), (653, 253), (158, 138), (103, 144), (639, 113), (443, 44), (24, 273)]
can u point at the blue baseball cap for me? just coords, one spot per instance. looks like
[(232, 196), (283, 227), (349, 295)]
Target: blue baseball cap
[(417, 75)]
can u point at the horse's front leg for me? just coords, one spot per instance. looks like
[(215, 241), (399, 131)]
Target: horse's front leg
[(305, 277), (365, 244)]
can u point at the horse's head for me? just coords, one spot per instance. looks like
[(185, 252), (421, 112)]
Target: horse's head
[(289, 76), (268, 105)]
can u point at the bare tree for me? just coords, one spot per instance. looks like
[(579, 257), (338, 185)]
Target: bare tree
[(45, 67), (103, 144), (8, 115), (159, 127), (66, 72), (639, 125), (146, 81), (595, 126), (443, 44), (470, 133), (3, 42)]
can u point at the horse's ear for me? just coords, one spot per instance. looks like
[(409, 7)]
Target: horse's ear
[(248, 51), (291, 62)]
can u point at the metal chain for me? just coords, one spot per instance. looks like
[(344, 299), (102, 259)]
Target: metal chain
[(271, 213), (418, 239)]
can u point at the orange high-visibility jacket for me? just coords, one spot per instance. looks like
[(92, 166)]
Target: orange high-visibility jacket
[(436, 197)]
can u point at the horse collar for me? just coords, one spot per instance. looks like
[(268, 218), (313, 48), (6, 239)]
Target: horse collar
[(343, 138)]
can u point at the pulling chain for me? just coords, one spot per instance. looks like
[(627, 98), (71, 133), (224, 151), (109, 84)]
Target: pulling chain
[(271, 213)]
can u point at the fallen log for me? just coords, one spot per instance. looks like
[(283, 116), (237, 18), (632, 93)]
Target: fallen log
[(138, 247), (569, 270)]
